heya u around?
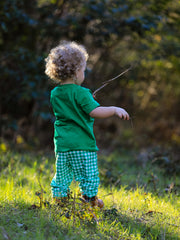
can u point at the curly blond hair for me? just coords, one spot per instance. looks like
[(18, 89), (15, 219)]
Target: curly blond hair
[(64, 60)]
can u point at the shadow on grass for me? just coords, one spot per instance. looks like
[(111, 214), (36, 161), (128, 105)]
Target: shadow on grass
[(145, 225), (22, 221)]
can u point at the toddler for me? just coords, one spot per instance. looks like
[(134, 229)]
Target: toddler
[(75, 109)]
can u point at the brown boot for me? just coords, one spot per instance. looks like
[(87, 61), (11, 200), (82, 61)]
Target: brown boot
[(94, 201)]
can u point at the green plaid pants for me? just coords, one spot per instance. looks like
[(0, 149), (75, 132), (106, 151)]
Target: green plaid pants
[(82, 165)]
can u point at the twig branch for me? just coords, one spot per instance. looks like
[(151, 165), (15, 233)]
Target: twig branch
[(109, 81)]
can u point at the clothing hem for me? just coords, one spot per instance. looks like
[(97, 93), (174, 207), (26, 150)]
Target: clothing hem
[(69, 150)]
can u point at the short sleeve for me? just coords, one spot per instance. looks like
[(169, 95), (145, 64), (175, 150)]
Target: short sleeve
[(86, 100)]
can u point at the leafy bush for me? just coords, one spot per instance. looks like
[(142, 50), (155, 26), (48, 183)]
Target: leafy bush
[(117, 34)]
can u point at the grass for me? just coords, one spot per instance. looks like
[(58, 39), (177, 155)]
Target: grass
[(138, 203)]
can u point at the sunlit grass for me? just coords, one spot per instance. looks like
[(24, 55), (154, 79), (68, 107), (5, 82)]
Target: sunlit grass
[(129, 213)]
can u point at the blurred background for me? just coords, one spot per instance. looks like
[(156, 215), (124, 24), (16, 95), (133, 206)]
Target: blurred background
[(117, 34)]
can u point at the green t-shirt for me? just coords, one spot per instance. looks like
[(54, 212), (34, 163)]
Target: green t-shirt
[(73, 128)]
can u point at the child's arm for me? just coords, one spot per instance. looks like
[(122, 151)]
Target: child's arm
[(105, 112)]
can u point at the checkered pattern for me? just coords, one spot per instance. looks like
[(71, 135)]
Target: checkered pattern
[(82, 165)]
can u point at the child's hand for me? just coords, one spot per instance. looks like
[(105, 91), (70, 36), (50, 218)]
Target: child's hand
[(120, 112)]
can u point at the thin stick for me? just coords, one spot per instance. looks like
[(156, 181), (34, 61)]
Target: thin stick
[(74, 209), (132, 125), (110, 80)]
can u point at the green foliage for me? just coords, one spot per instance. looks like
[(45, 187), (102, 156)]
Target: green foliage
[(117, 34)]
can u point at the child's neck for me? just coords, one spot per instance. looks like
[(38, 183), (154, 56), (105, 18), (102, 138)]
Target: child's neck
[(68, 81)]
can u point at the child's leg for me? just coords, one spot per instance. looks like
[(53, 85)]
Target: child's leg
[(63, 177), (85, 171)]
